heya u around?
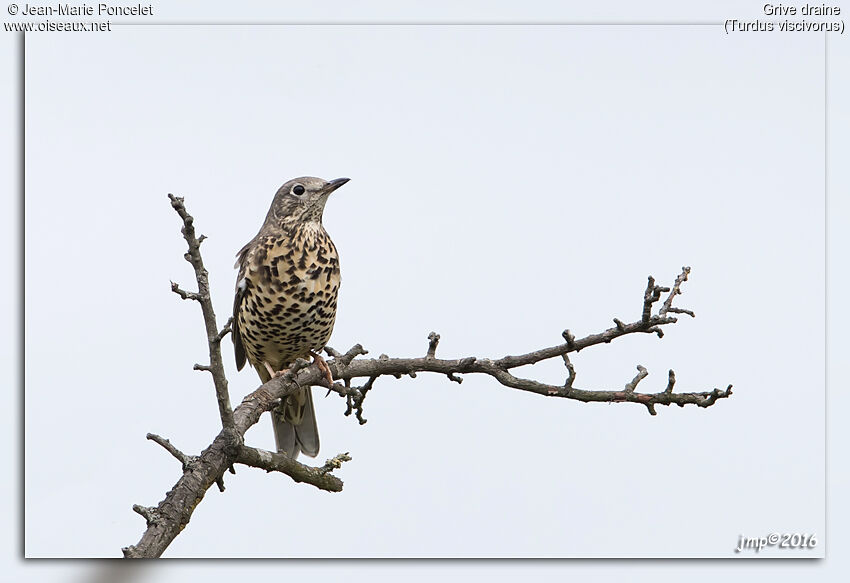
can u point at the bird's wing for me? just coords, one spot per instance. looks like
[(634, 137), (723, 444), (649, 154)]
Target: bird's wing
[(241, 286)]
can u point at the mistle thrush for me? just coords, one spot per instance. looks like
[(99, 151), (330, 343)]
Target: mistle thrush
[(285, 303)]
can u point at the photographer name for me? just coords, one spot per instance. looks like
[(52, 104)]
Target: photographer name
[(87, 10)]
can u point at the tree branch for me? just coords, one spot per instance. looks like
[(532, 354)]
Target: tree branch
[(184, 459), (170, 516), (276, 462), (214, 337), (676, 290)]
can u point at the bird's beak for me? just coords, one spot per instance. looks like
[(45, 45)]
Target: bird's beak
[(334, 184)]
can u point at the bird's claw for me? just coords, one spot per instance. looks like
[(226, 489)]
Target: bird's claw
[(323, 366)]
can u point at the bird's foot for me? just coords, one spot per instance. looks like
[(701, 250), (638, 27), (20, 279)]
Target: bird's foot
[(273, 373), (323, 366)]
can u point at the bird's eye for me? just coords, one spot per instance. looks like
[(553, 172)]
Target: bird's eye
[(297, 190)]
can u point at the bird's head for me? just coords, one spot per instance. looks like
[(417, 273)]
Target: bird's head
[(302, 200)]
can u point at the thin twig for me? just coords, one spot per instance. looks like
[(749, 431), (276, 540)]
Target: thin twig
[(671, 380), (193, 256), (642, 374), (185, 294), (184, 459), (674, 291), (354, 400), (674, 310), (433, 340), (228, 328), (571, 372)]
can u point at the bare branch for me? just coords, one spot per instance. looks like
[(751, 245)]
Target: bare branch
[(576, 345), (499, 368), (642, 374), (681, 311), (650, 296), (178, 505), (184, 294), (146, 512), (276, 462), (170, 516), (676, 290), (571, 372), (333, 353), (433, 340), (184, 459), (671, 380), (228, 328), (571, 341), (335, 462), (496, 369), (715, 394), (193, 256), (657, 330), (354, 400)]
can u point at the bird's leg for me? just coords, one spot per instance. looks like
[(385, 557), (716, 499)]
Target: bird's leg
[(272, 373), (323, 366)]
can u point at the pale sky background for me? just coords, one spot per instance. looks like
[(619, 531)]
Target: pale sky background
[(507, 182)]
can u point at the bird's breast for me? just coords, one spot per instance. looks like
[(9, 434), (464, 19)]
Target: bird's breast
[(289, 306)]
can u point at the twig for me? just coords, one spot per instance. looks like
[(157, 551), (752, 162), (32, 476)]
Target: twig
[(331, 352), (571, 372), (146, 512), (571, 341), (228, 328), (642, 374), (184, 459), (673, 310), (671, 380), (184, 294), (433, 340), (650, 296), (676, 290), (354, 400), (193, 256), (276, 462), (335, 463)]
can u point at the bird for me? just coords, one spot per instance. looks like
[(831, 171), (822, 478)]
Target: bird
[(286, 300)]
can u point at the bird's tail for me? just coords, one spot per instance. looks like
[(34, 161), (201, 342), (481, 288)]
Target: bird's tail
[(294, 423)]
